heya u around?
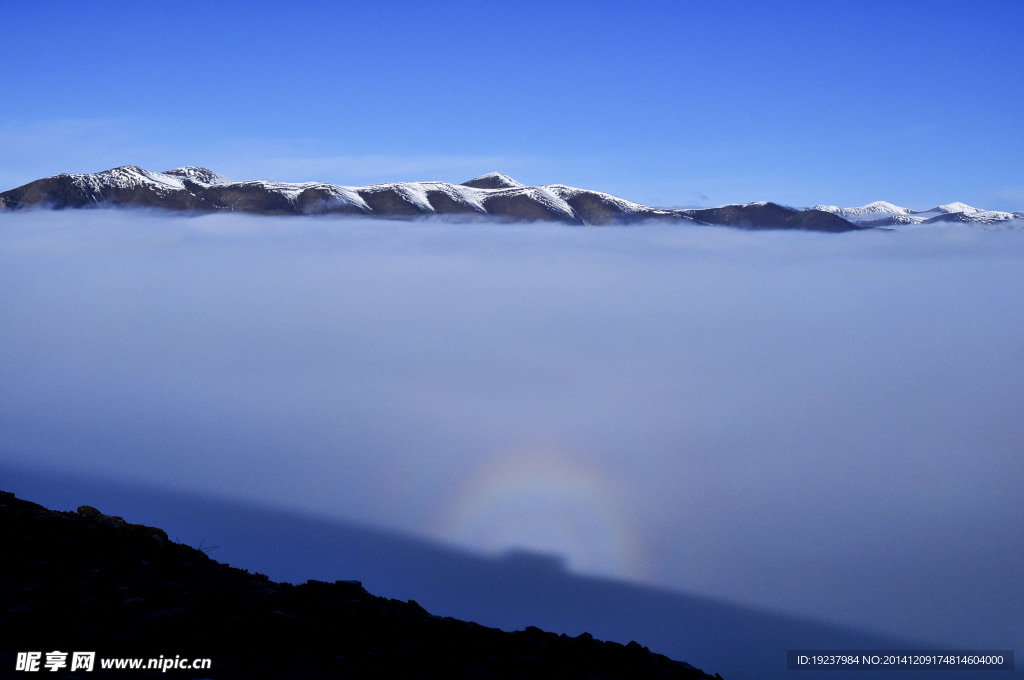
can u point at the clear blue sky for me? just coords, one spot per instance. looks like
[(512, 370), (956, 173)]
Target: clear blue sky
[(673, 103)]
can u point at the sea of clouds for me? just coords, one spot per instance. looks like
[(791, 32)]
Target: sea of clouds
[(821, 424)]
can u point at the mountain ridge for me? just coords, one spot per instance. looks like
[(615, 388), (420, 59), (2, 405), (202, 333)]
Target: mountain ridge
[(493, 195), (490, 196), (885, 214)]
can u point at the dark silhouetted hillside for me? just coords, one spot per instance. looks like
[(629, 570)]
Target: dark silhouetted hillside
[(86, 581)]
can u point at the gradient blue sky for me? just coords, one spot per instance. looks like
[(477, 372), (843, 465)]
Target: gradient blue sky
[(667, 103)]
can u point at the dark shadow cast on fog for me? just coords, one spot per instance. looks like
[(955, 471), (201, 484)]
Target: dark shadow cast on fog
[(511, 592)]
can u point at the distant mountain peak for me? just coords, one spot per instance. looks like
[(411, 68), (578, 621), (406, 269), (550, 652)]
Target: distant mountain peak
[(881, 207), (128, 177), (953, 208), (199, 174), (493, 180), (757, 204)]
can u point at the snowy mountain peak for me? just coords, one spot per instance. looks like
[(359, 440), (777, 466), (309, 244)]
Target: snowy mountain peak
[(199, 175), (129, 173), (493, 180), (872, 214), (756, 204), (129, 177), (881, 207), (953, 208)]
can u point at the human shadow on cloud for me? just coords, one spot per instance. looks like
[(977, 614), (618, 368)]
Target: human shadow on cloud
[(511, 592)]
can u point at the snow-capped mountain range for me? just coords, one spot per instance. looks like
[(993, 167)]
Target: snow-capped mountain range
[(884, 214), (490, 196)]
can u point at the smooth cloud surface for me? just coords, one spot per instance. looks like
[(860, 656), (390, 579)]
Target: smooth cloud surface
[(821, 424)]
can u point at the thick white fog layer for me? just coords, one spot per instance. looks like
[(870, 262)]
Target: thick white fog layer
[(823, 424)]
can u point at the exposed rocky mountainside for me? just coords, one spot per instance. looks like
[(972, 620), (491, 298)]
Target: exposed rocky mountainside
[(493, 195), (85, 581)]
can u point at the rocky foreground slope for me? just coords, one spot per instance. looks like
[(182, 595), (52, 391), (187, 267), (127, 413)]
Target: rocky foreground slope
[(491, 196), (88, 582)]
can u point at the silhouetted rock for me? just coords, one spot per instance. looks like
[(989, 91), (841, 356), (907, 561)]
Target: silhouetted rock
[(86, 581)]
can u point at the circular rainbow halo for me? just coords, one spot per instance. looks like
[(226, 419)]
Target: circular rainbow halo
[(543, 499)]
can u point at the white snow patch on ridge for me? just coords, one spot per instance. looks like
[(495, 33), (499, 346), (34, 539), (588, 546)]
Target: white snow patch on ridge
[(565, 193), (200, 175), (460, 194), (292, 190), (551, 200), (127, 177)]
